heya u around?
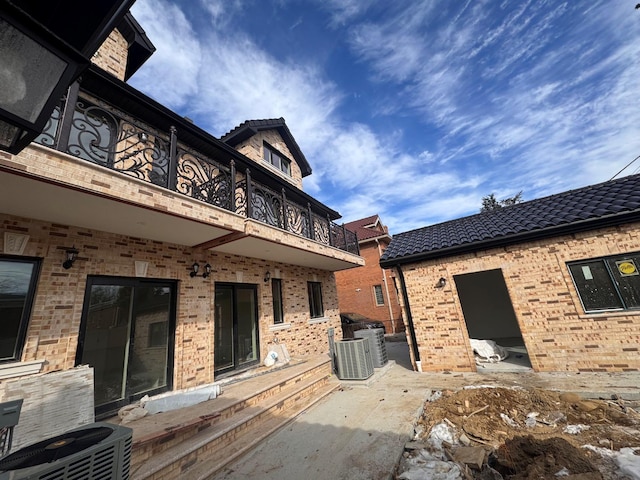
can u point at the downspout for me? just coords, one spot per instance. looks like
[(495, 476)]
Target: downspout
[(386, 289), (412, 330)]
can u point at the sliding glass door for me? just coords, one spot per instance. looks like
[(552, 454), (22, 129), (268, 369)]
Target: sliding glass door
[(127, 336), (236, 327)]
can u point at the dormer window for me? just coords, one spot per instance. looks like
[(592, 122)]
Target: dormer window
[(277, 160)]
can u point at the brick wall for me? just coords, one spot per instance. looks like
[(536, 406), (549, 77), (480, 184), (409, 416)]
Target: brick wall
[(112, 55), (55, 321), (356, 290), (558, 335)]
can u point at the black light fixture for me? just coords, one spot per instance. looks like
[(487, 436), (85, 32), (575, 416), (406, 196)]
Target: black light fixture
[(441, 282), (207, 271), (42, 51), (195, 268), (36, 68), (267, 276), (72, 255)]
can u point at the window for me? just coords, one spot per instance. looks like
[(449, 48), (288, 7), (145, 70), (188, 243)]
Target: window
[(315, 299), (277, 160), (17, 287), (377, 290), (611, 283), (276, 292)]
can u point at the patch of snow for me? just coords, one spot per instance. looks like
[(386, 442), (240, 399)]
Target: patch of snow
[(627, 461), (425, 465), (442, 432), (575, 429)]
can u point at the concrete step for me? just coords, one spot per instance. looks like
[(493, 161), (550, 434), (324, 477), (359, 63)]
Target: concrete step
[(245, 414)]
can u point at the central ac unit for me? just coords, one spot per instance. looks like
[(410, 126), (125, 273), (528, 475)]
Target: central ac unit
[(354, 359), (99, 451)]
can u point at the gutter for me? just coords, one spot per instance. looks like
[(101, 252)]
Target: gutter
[(412, 330), (386, 289)]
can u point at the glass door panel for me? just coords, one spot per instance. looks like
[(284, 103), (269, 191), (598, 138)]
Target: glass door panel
[(223, 348), (127, 337), (247, 325), (236, 327), (106, 340), (147, 369)]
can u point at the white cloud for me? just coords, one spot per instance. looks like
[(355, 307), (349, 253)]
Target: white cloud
[(170, 75), (566, 120)]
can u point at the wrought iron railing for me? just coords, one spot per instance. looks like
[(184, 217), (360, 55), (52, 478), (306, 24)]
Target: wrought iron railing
[(101, 134)]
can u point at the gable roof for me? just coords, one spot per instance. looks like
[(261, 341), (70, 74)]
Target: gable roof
[(363, 230), (249, 128), (606, 204)]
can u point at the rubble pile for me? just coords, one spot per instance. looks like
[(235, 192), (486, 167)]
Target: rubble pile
[(498, 433)]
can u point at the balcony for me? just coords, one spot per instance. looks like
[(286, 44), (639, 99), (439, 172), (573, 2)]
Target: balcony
[(111, 125)]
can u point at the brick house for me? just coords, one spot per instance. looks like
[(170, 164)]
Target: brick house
[(369, 290), (193, 254), (558, 274)]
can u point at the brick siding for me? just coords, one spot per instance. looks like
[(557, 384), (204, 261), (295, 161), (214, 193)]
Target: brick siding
[(55, 321), (558, 335), (356, 290)]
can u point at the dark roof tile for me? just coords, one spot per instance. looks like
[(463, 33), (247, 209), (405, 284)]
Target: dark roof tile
[(609, 203)]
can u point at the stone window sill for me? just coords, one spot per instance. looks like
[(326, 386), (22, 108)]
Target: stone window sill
[(20, 369), (279, 326), (319, 320)]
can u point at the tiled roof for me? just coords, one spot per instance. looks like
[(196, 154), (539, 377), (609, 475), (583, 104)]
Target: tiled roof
[(361, 229), (249, 128), (605, 204)]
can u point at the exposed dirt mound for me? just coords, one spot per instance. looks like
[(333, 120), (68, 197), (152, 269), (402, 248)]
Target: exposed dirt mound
[(533, 433), (523, 458)]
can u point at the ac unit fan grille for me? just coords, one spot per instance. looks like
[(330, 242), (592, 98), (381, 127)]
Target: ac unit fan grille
[(99, 453), (354, 359)]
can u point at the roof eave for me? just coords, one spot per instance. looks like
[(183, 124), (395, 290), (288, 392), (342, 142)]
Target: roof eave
[(568, 229)]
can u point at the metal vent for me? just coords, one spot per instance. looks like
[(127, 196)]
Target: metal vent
[(376, 342), (354, 359), (109, 459)]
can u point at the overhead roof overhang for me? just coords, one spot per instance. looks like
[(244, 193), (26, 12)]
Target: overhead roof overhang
[(83, 25), (25, 196)]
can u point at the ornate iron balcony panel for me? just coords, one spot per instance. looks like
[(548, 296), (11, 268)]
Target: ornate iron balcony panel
[(266, 206), (297, 219), (99, 133), (203, 179)]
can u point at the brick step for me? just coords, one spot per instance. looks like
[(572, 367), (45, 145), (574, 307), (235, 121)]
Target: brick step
[(158, 433), (231, 430), (244, 443)]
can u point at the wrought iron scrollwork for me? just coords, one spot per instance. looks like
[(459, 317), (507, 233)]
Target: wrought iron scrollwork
[(297, 220), (106, 136), (204, 180), (93, 134), (48, 135), (241, 197), (266, 206), (321, 229)]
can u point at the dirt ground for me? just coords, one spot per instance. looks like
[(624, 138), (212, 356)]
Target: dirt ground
[(523, 432)]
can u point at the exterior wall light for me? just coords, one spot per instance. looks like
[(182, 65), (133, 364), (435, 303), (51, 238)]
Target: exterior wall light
[(196, 267), (72, 256), (441, 282), (267, 276)]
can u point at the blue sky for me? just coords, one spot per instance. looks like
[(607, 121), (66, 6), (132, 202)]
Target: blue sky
[(413, 110)]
